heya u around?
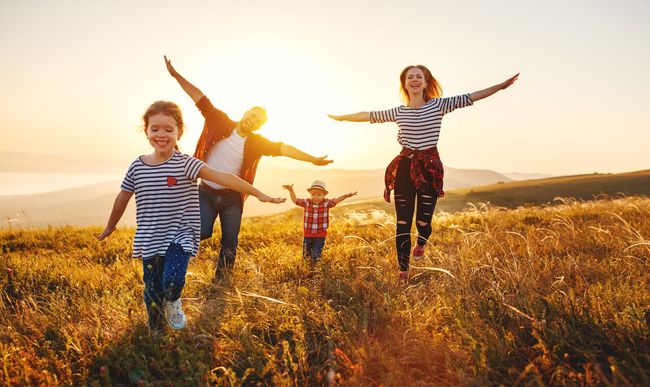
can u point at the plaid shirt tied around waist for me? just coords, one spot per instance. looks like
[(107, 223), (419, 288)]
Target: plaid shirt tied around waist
[(316, 218), (425, 169)]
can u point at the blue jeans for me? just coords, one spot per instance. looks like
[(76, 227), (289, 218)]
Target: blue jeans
[(226, 204), (312, 247), (164, 278)]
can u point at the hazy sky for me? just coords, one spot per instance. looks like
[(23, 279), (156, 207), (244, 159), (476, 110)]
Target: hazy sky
[(77, 75)]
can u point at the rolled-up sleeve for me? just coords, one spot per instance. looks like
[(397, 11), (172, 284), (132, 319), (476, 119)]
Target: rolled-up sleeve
[(128, 184), (266, 147), (214, 117), (449, 104)]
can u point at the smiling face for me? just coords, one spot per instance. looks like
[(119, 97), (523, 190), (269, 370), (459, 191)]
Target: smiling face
[(252, 120), (417, 81), (317, 195), (414, 82), (162, 133)]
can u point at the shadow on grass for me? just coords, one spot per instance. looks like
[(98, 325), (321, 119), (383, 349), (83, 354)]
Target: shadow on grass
[(167, 358)]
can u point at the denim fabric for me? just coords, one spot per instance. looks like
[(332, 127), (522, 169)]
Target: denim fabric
[(312, 247), (405, 198), (164, 278), (228, 206)]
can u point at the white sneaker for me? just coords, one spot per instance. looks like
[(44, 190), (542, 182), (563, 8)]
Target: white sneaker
[(174, 314)]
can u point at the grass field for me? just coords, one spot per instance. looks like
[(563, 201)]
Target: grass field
[(537, 295)]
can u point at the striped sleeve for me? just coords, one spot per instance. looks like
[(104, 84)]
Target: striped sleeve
[(449, 104), (128, 184), (380, 116), (192, 166), (330, 203), (301, 202)]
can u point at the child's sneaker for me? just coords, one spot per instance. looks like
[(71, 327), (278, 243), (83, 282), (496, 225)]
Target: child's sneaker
[(403, 276), (174, 314), (418, 252)]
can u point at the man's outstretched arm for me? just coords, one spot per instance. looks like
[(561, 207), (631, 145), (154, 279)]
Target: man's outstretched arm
[(297, 154), (189, 88)]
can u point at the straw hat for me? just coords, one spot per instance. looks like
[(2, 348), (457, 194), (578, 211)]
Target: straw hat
[(318, 184)]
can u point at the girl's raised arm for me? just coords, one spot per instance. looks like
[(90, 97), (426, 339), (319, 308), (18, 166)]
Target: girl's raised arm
[(478, 95), (356, 117), (235, 182), (119, 206), (189, 88)]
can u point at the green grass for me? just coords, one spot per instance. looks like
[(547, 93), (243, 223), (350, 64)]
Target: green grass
[(539, 295)]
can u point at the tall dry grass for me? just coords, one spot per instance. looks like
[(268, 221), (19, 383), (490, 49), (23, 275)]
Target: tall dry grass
[(555, 295)]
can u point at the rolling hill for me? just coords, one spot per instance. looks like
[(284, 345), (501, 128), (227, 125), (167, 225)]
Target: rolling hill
[(535, 192), (91, 205)]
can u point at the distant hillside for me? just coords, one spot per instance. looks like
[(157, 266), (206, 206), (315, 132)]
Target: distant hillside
[(541, 191), (527, 176), (91, 205)]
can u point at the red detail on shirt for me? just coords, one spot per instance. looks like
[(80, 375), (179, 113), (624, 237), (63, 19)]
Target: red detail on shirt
[(426, 169), (171, 181), (316, 217)]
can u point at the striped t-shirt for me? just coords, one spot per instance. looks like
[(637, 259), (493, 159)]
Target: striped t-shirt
[(419, 128), (167, 204)]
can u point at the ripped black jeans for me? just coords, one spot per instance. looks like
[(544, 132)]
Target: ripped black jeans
[(405, 196)]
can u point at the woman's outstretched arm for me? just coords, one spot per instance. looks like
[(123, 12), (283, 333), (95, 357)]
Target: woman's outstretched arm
[(356, 117), (189, 88), (478, 95)]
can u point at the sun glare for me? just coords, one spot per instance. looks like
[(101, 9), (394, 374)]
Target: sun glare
[(289, 84)]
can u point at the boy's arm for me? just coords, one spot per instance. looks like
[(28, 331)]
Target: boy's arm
[(343, 197), (297, 154), (189, 88), (291, 193), (119, 206), (236, 183)]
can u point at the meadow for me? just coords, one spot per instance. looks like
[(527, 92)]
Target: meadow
[(545, 295)]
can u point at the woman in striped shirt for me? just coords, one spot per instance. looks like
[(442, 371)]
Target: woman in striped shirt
[(417, 172), (167, 212)]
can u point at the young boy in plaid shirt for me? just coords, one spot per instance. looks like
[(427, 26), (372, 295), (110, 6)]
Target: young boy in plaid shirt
[(316, 219)]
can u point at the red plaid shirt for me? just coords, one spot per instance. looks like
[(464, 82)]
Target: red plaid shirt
[(426, 168), (316, 219), (219, 126)]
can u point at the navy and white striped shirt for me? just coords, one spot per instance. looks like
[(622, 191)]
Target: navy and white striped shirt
[(419, 128), (167, 204)]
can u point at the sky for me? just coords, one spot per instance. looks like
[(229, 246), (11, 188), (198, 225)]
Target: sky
[(76, 77)]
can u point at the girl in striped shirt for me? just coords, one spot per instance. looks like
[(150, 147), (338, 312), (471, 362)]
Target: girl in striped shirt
[(417, 172), (167, 212)]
